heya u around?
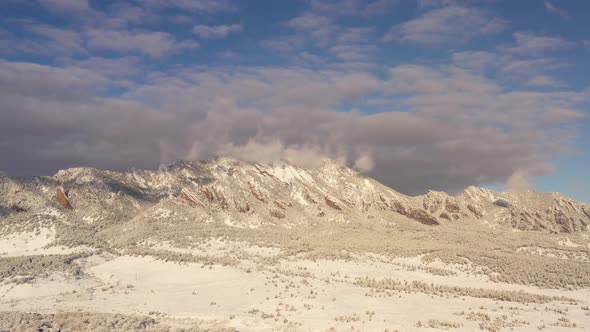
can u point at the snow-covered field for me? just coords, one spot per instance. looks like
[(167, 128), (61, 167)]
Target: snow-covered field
[(269, 291)]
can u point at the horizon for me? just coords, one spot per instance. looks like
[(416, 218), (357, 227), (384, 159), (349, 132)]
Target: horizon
[(419, 95)]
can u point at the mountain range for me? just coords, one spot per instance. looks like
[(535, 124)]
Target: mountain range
[(253, 195)]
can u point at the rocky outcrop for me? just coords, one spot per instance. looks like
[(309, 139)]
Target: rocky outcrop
[(417, 214), (476, 209), (332, 204), (190, 197), (277, 213), (446, 206), (63, 200)]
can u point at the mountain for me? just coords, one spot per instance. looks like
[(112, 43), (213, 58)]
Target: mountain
[(253, 195), (225, 245)]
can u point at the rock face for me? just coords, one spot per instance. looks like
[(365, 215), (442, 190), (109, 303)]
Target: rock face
[(533, 211), (63, 200), (445, 206), (278, 194)]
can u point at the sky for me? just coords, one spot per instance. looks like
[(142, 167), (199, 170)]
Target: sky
[(419, 94)]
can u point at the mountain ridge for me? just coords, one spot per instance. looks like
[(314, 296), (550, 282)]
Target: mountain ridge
[(244, 194)]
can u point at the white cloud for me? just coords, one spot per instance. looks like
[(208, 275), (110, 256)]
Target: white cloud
[(109, 67), (120, 14), (446, 25), (309, 21), (551, 8), (192, 5), (426, 4), (269, 151), (66, 6), (555, 115), (528, 67), (476, 60), (52, 41), (216, 31), (353, 7), (523, 62), (355, 35), (180, 19), (519, 182), (354, 52), (230, 54), (310, 57), (58, 40), (319, 28), (346, 44), (284, 44), (545, 81), (154, 44), (364, 163), (531, 44)]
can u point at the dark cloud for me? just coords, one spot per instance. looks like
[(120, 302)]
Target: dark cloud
[(457, 128)]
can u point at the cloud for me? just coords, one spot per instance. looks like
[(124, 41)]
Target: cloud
[(108, 67), (524, 61), (56, 40), (43, 39), (69, 42), (364, 163), (120, 15), (528, 67), (151, 43), (106, 98), (355, 35), (310, 21), (215, 31), (354, 52), (265, 152), (180, 19), (450, 130), (545, 81), (427, 4), (475, 60), (446, 25), (311, 58), (319, 28), (552, 9), (519, 182), (284, 44), (45, 80), (531, 44), (353, 7), (192, 5), (66, 6), (350, 45), (558, 114)]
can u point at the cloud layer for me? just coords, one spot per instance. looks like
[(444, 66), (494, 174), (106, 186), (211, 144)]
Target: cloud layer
[(108, 98), (453, 129)]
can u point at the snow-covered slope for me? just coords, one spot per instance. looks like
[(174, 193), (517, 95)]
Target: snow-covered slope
[(254, 195), (530, 210)]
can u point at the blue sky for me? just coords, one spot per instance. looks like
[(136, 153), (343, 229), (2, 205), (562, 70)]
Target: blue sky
[(425, 94)]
